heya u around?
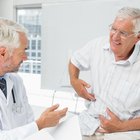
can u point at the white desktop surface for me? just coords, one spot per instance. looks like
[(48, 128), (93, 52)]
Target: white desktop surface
[(114, 136), (40, 135), (69, 130)]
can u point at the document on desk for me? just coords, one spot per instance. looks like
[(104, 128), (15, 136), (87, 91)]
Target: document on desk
[(40, 135), (67, 130)]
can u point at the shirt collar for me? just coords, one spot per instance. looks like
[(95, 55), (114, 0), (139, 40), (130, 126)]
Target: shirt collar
[(5, 76), (131, 60), (1, 77)]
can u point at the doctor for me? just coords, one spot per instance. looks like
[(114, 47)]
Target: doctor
[(16, 117)]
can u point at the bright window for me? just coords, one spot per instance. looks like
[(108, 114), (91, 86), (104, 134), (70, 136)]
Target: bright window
[(31, 19), (30, 70)]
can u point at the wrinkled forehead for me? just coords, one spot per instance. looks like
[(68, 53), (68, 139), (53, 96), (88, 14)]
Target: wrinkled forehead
[(123, 24), (124, 21)]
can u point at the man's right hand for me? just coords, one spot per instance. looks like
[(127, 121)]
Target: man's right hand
[(80, 87), (50, 117), (78, 84)]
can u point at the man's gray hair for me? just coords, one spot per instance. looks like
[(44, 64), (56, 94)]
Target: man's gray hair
[(133, 14), (9, 33)]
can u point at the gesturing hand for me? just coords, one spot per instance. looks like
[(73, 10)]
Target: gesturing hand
[(80, 87), (50, 117)]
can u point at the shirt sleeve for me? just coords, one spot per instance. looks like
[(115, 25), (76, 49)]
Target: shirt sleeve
[(19, 133), (81, 57)]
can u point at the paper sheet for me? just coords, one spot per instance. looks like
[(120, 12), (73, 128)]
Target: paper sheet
[(40, 135), (67, 130)]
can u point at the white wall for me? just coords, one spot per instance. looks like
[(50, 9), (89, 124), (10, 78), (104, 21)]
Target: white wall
[(68, 25), (6, 8), (27, 2)]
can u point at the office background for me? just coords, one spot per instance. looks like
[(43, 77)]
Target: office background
[(56, 29)]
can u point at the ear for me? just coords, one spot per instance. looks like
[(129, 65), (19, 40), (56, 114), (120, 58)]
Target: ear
[(138, 36), (2, 51)]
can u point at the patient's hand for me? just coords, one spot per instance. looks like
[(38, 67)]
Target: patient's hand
[(114, 124), (81, 87)]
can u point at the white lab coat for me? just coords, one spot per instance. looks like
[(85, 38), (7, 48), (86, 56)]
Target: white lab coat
[(16, 119)]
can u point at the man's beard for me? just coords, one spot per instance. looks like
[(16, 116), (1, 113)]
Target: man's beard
[(11, 68)]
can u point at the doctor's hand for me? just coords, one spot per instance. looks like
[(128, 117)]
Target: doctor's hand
[(80, 87), (114, 124), (50, 117)]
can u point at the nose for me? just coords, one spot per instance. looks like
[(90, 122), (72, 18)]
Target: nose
[(24, 57)]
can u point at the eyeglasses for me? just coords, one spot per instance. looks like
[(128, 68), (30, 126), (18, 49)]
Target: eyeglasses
[(122, 34)]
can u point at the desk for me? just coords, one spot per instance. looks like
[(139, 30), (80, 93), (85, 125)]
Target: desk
[(114, 136), (98, 137)]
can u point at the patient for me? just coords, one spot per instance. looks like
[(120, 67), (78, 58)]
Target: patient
[(114, 63)]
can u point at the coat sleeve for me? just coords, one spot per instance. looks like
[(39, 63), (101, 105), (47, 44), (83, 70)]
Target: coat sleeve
[(19, 133)]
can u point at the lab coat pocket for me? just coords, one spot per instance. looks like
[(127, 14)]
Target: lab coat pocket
[(19, 113)]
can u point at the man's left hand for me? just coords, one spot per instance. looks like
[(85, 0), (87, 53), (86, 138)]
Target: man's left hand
[(114, 124)]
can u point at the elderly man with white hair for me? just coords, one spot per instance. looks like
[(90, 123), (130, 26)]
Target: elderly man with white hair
[(114, 62)]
